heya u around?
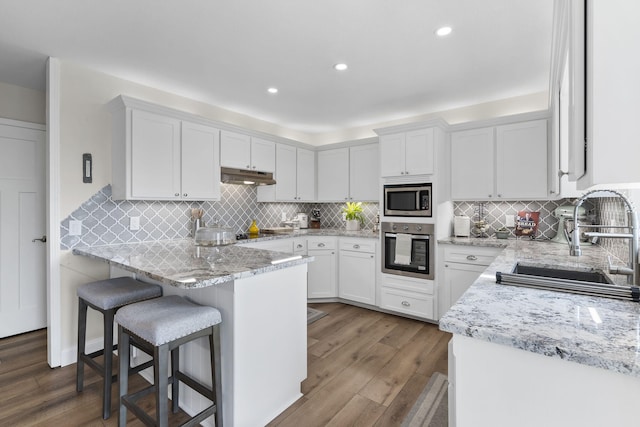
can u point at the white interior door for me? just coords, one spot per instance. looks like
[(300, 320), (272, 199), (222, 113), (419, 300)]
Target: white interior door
[(22, 221)]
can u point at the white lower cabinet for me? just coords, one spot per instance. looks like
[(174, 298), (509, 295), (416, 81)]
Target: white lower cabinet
[(406, 295), (462, 266), (322, 278), (357, 270)]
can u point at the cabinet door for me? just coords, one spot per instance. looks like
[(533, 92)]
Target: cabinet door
[(285, 172), (333, 175), (457, 279), (321, 276), (357, 277), (155, 156), (472, 164), (306, 175), (521, 156), (200, 162), (419, 152), (235, 150), (263, 155), (392, 155), (364, 173)]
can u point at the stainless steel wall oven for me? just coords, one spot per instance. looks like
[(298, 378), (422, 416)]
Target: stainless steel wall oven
[(408, 249)]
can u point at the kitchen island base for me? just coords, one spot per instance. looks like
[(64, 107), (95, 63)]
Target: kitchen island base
[(497, 385), (263, 342)]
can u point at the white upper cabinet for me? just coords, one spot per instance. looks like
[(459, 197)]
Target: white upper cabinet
[(295, 176), (200, 171), (155, 157), (521, 161), (472, 164), (245, 152), (610, 41), (506, 162), (348, 174), (407, 154)]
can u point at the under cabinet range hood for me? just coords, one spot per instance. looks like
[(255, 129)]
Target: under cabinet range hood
[(245, 177)]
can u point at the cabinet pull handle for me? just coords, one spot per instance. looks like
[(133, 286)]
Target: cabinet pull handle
[(472, 257), (248, 166), (446, 265), (185, 195), (321, 245), (499, 195), (371, 256), (177, 194), (299, 245), (356, 246), (406, 303)]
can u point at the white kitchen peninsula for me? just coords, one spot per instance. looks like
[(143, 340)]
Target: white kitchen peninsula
[(529, 357), (262, 296)]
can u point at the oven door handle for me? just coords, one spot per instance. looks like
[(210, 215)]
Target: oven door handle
[(413, 236)]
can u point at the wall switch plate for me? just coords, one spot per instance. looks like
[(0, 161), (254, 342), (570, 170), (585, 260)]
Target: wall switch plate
[(134, 223), (75, 227), (509, 221), (344, 216), (283, 217)]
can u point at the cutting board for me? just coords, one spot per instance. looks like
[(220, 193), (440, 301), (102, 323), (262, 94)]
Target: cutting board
[(275, 230)]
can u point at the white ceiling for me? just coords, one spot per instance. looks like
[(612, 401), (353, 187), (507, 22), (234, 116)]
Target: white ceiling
[(226, 53)]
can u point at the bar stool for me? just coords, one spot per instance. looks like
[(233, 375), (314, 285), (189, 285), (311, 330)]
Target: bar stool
[(107, 296), (160, 326)]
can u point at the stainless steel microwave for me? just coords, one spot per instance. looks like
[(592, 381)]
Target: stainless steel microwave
[(407, 200)]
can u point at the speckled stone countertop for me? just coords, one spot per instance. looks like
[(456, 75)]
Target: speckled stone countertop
[(182, 264), (599, 332), (310, 232)]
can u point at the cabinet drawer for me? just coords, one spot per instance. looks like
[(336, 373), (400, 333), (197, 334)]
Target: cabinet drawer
[(470, 254), (412, 303), (359, 245), (407, 283), (315, 243)]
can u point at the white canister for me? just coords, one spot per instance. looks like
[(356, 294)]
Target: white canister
[(461, 226)]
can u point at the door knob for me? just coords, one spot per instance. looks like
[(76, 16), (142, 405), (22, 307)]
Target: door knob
[(43, 239)]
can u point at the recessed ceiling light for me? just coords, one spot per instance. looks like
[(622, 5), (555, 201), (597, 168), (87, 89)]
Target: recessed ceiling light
[(272, 90), (340, 67), (443, 31)]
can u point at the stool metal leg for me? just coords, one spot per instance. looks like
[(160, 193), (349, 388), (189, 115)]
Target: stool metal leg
[(161, 382), (82, 337), (123, 377)]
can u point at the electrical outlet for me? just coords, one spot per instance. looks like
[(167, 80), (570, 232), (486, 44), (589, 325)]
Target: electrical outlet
[(283, 216), (75, 227), (344, 216), (509, 221), (134, 223)]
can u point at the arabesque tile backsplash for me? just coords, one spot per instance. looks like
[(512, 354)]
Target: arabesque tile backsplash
[(106, 221)]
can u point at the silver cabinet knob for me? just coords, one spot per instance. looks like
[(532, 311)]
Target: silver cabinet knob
[(406, 303), (356, 246), (185, 195), (321, 245), (177, 194), (248, 166), (472, 257)]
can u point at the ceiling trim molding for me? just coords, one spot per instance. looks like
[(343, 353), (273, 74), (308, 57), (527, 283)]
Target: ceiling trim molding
[(407, 127)]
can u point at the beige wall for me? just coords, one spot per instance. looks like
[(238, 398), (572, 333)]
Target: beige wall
[(85, 127), (19, 103)]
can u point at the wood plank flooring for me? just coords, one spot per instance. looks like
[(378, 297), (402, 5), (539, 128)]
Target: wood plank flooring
[(364, 369)]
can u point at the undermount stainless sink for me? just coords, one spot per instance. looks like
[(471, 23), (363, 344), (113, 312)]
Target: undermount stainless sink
[(593, 282), (593, 276)]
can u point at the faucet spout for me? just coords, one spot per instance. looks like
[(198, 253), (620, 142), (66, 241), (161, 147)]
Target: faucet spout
[(633, 270)]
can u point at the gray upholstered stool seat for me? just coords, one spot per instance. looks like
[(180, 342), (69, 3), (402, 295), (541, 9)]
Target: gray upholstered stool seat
[(159, 327), (107, 296)]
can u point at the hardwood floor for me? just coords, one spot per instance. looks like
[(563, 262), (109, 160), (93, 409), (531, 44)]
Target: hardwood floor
[(364, 369)]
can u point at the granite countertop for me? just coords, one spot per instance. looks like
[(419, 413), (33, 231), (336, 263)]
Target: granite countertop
[(599, 332), (182, 264), (310, 232)]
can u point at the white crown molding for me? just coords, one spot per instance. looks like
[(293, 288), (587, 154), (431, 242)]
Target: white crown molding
[(505, 120), (407, 127)]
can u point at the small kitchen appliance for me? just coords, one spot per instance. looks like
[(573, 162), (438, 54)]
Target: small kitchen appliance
[(303, 220), (407, 200), (564, 213), (461, 226)]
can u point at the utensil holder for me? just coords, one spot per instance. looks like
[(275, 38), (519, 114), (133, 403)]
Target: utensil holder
[(195, 225)]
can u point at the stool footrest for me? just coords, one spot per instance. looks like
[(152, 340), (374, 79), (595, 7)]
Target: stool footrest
[(130, 402), (195, 385), (201, 416)]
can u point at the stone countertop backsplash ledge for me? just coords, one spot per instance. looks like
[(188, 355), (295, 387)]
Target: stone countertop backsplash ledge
[(594, 331)]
